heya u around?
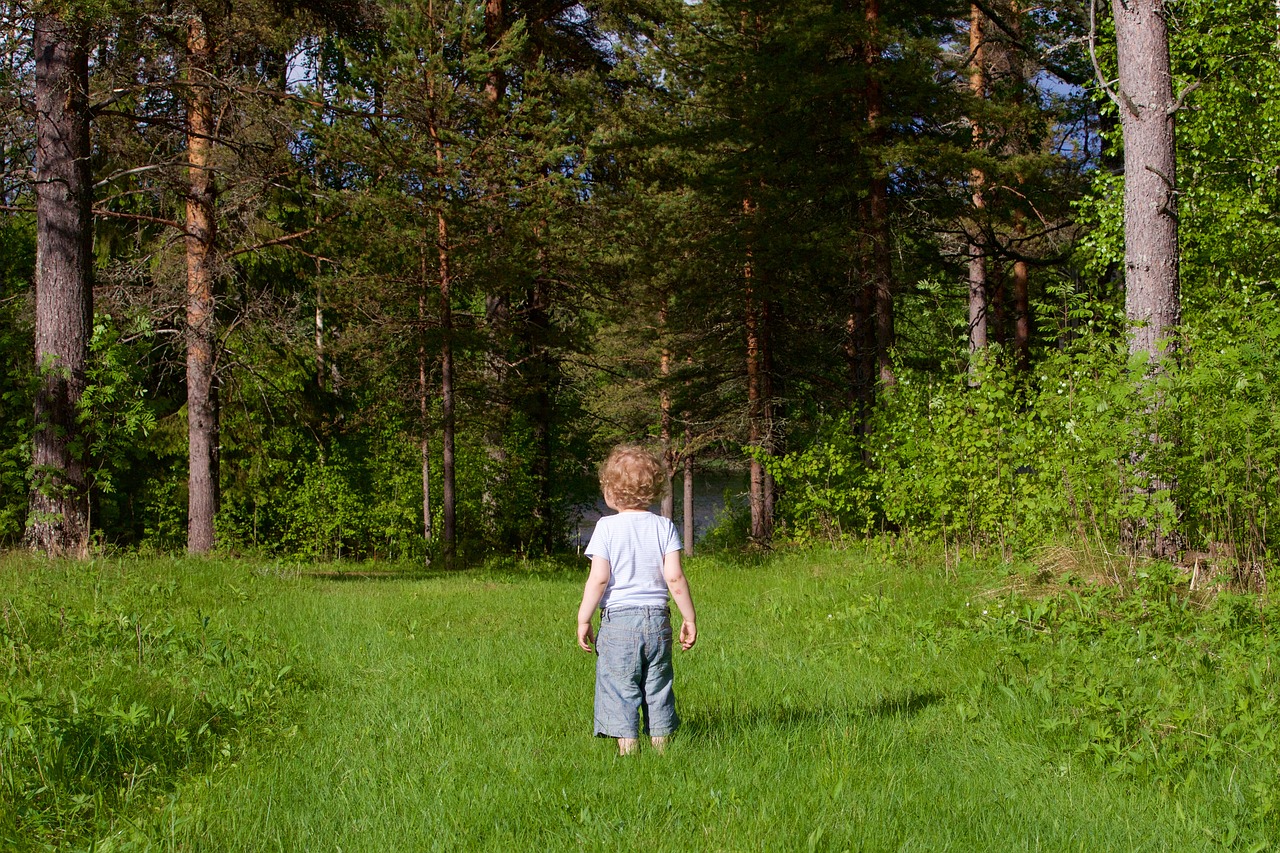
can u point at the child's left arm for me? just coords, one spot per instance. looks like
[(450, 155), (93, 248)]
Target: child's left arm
[(678, 586), (597, 581)]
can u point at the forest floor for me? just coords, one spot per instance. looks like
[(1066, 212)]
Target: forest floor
[(836, 700)]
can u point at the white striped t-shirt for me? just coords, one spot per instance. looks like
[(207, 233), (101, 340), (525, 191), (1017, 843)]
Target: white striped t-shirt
[(635, 544)]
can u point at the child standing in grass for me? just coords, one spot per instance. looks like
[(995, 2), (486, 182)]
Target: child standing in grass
[(635, 563)]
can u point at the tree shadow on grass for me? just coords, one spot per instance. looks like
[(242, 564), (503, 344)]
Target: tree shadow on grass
[(731, 718), (371, 575), (560, 567), (906, 704)]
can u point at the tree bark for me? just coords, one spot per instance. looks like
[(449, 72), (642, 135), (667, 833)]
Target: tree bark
[(668, 508), (1021, 306), (977, 250), (881, 282), (495, 26), (751, 322), (767, 309), (424, 408), (1021, 274), (755, 322), (860, 349), (448, 497), (689, 519), (1152, 299), (320, 368), (997, 305), (497, 304), (448, 423), (543, 370), (58, 522), (201, 239)]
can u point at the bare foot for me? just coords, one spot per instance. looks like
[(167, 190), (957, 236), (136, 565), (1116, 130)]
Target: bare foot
[(628, 745), (659, 744)]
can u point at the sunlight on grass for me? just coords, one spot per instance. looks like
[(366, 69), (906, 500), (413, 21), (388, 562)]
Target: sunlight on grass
[(827, 706)]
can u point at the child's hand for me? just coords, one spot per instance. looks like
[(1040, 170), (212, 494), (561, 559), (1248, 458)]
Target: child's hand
[(688, 635), (585, 637)]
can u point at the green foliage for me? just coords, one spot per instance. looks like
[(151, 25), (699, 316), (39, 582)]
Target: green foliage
[(362, 499), (1227, 145), (17, 268), (1146, 682), (1020, 462), (730, 530), (827, 486), (1228, 400), (117, 684), (114, 413), (1003, 461)]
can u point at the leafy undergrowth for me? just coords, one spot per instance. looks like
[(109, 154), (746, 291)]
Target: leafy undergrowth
[(1143, 679), (120, 678)]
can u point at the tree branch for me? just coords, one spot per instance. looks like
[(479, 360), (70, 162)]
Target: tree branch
[(1097, 69), (1062, 73), (277, 241), (138, 217), (1177, 105)]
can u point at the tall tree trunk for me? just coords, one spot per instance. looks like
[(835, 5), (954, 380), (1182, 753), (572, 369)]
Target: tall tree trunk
[(1021, 305), (977, 249), (1153, 303), (424, 407), (664, 426), (320, 358), (201, 238), (757, 400), (497, 304), (767, 391), (860, 349), (58, 521), (498, 322), (448, 423), (881, 282), (751, 322), (544, 370), (448, 495), (495, 27), (1021, 274), (997, 304), (689, 519)]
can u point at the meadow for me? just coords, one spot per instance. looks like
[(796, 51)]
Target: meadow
[(874, 698)]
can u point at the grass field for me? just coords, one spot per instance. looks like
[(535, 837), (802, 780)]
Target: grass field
[(843, 700)]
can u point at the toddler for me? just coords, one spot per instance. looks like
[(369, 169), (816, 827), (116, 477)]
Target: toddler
[(635, 562)]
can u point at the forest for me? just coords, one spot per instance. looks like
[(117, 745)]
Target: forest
[(385, 278), (964, 314)]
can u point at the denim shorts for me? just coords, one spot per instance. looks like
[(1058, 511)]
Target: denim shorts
[(633, 673)]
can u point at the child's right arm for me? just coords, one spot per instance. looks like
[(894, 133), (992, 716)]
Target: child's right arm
[(678, 586), (597, 582)]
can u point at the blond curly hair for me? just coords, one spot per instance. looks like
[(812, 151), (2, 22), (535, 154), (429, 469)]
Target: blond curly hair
[(633, 477)]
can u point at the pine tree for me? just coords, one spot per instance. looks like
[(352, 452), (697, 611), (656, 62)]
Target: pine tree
[(58, 522)]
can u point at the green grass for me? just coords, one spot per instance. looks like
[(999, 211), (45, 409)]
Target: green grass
[(835, 701)]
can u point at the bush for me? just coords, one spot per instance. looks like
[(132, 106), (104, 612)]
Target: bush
[(1006, 461), (1018, 461)]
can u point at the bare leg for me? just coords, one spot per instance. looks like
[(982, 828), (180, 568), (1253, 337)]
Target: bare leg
[(658, 743), (628, 745)]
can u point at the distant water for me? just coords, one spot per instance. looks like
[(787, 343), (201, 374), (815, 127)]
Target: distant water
[(708, 502)]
